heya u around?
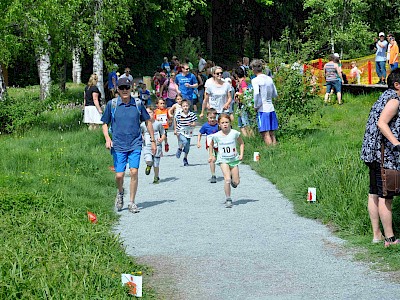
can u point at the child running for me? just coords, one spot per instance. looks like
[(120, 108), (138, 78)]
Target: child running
[(208, 129), (174, 110), (228, 158), (161, 114), (159, 136), (185, 123)]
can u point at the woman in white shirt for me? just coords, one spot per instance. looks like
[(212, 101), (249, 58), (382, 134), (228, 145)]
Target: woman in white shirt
[(264, 90), (217, 95)]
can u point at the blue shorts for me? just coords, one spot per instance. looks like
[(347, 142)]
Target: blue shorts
[(170, 102), (337, 85), (121, 159)]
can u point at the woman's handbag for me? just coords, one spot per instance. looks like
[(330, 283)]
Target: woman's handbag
[(390, 178)]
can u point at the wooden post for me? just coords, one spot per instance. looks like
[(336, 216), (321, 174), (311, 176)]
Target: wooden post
[(369, 72), (320, 63)]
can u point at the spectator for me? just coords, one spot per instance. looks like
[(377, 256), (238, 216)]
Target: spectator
[(127, 74), (394, 54), (202, 63), (382, 129), (333, 77), (380, 58), (165, 66), (92, 109), (264, 91), (112, 82)]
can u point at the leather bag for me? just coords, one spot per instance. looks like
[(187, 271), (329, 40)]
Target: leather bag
[(390, 178)]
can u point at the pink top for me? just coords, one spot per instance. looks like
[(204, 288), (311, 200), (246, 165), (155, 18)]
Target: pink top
[(242, 85), (171, 94)]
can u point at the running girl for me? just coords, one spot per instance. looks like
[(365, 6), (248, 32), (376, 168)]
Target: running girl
[(227, 158), (159, 136), (173, 111)]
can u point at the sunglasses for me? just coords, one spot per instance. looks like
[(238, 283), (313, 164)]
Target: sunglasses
[(127, 71), (187, 69), (219, 73), (124, 87)]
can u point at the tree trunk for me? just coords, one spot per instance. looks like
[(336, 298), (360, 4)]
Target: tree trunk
[(76, 66), (98, 62), (98, 49), (44, 69), (62, 76), (3, 88), (210, 33)]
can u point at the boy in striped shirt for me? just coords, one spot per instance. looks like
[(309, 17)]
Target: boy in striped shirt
[(185, 123)]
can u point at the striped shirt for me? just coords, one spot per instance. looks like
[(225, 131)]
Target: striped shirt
[(330, 72), (183, 122)]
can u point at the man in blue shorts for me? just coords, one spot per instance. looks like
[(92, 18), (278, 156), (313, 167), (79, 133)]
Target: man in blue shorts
[(125, 116)]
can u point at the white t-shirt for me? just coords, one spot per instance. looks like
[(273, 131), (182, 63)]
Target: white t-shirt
[(202, 64), (227, 148), (218, 95), (129, 77), (263, 90)]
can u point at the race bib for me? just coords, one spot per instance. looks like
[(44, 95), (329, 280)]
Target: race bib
[(162, 118), (228, 150), (187, 131), (147, 138)]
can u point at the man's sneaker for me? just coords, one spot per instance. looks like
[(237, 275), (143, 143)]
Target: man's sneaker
[(178, 153), (156, 180), (132, 207), (185, 162), (148, 169), (213, 179), (166, 147), (389, 243), (233, 184), (119, 201), (228, 203)]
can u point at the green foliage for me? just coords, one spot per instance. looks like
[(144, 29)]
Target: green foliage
[(20, 110), (52, 176), (328, 158), (297, 100), (188, 47)]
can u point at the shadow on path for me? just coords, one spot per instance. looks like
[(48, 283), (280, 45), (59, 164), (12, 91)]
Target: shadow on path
[(167, 179), (244, 201), (148, 204)]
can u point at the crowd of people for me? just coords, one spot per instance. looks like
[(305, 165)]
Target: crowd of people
[(133, 125)]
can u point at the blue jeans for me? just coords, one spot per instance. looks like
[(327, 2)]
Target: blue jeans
[(381, 69), (185, 142)]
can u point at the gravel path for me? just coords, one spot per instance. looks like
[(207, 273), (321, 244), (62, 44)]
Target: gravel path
[(259, 249)]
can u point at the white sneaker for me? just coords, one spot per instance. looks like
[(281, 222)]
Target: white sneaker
[(132, 207), (228, 203), (119, 201)]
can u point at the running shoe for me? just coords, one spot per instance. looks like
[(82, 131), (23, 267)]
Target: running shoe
[(156, 180), (213, 179), (234, 185), (132, 207), (166, 147), (185, 162), (389, 243), (228, 203), (119, 201), (178, 153), (148, 169)]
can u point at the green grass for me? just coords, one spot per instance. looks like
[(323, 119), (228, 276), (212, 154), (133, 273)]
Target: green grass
[(50, 177), (325, 154)]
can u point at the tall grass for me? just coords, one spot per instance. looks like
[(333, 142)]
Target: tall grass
[(325, 155), (50, 176)]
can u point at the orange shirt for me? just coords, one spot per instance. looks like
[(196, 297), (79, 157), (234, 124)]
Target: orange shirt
[(162, 116), (394, 54)]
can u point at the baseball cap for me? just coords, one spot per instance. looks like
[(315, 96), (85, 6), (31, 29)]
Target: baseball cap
[(336, 54), (381, 33), (124, 81)]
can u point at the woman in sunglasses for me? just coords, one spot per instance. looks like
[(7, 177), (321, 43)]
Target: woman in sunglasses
[(217, 93)]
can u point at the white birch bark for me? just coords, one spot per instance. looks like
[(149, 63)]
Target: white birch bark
[(98, 62), (76, 66), (44, 69), (3, 88), (98, 49)]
